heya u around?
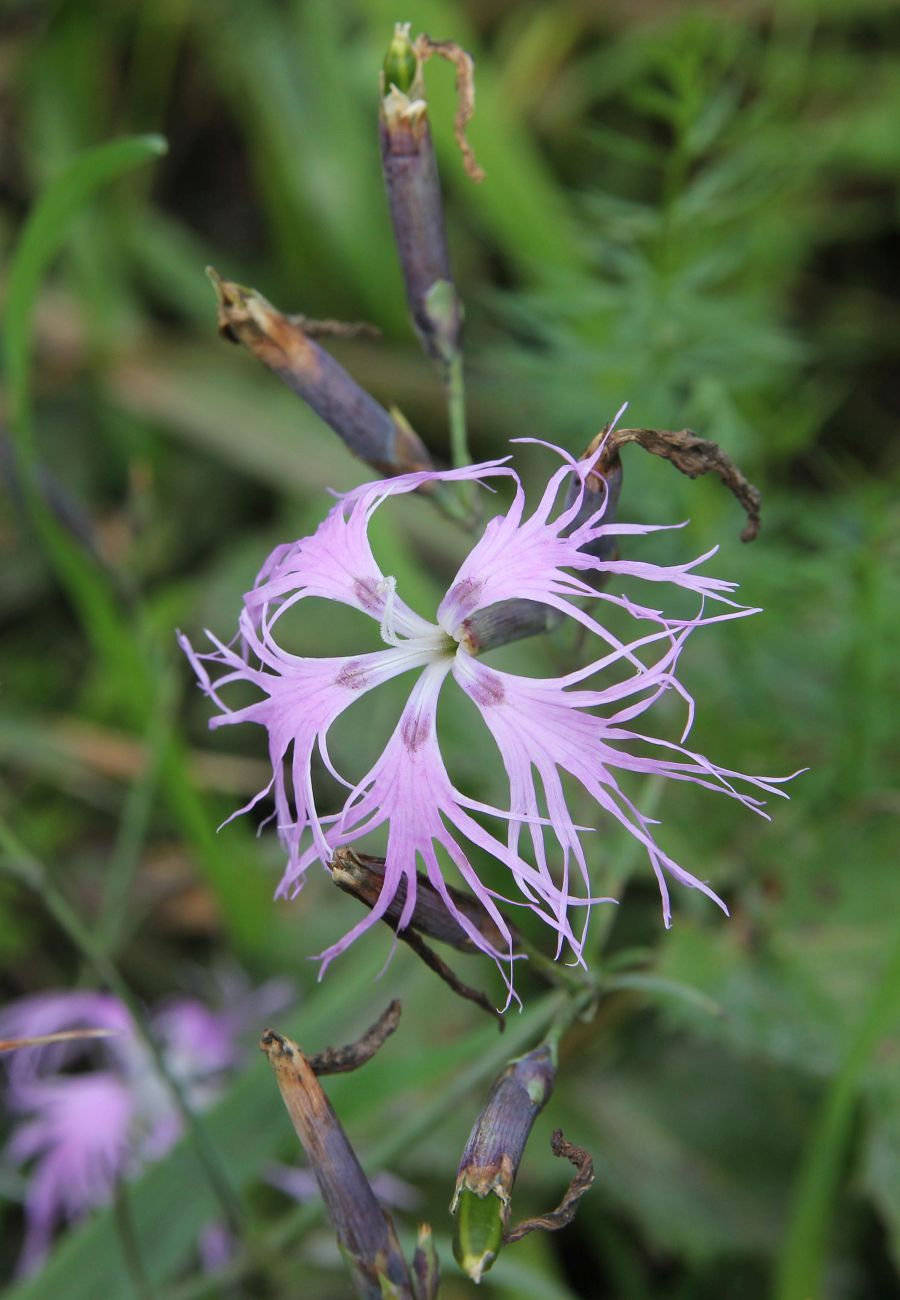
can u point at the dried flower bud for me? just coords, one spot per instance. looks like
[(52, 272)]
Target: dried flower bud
[(365, 1231), (362, 875), (417, 214), (426, 1268), (413, 187), (490, 1161), (381, 438)]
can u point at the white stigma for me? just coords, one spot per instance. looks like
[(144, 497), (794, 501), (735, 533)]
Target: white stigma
[(400, 629), (387, 588)]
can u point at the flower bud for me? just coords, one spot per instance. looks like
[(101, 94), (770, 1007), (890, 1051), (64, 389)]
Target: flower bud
[(490, 1161), (400, 63), (413, 187)]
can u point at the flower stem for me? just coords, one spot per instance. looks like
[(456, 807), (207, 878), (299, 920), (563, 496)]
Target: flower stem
[(456, 409), (131, 1250), (569, 1011), (22, 866), (569, 978), (460, 455)]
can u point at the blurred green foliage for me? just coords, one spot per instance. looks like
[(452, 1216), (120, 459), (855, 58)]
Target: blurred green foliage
[(693, 207)]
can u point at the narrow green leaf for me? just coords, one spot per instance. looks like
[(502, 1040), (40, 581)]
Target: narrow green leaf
[(805, 1249), (44, 233)]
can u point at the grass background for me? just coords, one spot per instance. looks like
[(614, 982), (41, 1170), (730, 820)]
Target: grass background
[(690, 206)]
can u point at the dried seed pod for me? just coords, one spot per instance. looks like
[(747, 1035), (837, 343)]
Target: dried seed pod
[(364, 1229), (381, 438), (362, 875)]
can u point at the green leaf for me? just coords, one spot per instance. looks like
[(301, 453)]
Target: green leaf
[(695, 1144), (805, 1249), (43, 235)]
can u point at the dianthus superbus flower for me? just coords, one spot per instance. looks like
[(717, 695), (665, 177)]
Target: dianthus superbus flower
[(87, 1114), (584, 724)]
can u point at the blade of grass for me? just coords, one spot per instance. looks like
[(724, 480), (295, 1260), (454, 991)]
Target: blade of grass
[(135, 821), (41, 239), (804, 1254)]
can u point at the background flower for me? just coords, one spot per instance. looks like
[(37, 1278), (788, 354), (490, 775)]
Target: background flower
[(88, 1113)]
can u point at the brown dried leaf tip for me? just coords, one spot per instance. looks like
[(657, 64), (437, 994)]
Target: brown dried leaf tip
[(689, 453), (464, 64), (340, 1060), (334, 329), (565, 1211)]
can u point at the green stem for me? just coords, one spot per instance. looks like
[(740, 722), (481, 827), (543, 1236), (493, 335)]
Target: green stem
[(135, 820), (571, 978), (456, 409), (130, 1245), (455, 383), (22, 866), (569, 1011)]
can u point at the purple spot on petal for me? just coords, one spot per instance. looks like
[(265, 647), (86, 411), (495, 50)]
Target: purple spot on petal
[(416, 730), (353, 677), (465, 594), (367, 592), (487, 689)]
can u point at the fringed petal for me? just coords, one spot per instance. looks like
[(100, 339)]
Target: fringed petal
[(301, 700), (543, 728), (533, 558)]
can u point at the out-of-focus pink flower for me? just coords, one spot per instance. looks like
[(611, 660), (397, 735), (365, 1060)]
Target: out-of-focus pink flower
[(302, 1186), (584, 724), (77, 1132), (80, 1133)]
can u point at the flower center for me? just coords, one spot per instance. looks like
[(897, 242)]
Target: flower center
[(399, 627)]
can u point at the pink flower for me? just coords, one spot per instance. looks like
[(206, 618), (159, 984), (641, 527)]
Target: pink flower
[(81, 1132), (573, 725)]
